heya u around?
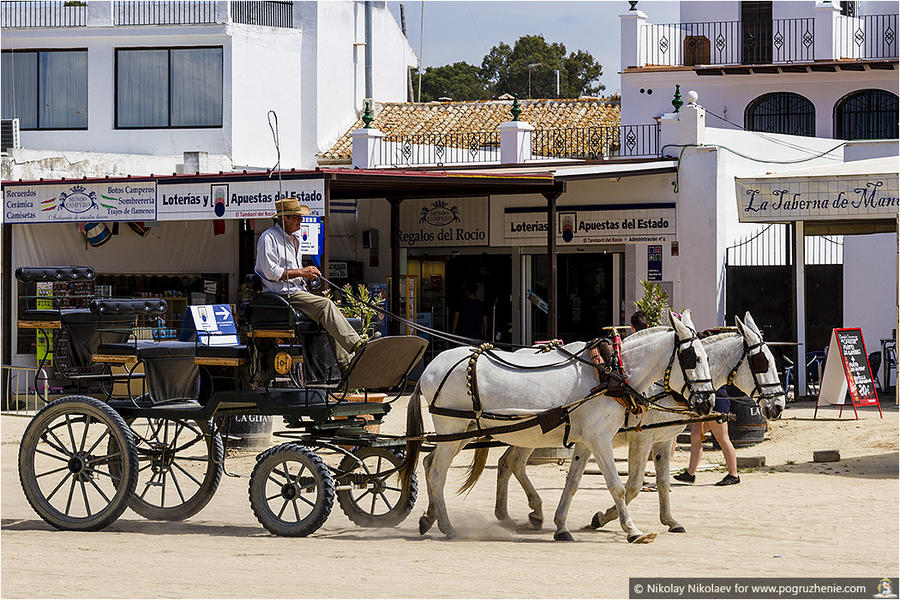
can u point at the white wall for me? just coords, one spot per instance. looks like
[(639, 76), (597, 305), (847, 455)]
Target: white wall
[(870, 286), (729, 95)]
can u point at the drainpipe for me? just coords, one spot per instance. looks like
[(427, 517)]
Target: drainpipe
[(368, 14)]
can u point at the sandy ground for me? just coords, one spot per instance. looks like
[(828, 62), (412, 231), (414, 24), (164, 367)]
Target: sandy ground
[(790, 518)]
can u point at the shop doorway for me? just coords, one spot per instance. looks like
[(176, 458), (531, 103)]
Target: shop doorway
[(587, 286)]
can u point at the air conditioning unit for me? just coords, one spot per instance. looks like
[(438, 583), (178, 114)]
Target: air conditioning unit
[(9, 134)]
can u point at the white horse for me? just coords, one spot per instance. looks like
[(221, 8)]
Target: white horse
[(505, 390), (740, 358)]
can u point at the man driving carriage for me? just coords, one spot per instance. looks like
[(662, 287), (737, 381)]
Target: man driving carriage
[(279, 266)]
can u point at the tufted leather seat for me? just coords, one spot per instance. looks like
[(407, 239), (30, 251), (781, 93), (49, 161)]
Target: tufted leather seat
[(269, 311), (108, 307), (25, 274)]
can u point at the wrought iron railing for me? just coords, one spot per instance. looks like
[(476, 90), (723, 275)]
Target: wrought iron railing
[(19, 396), (157, 12), (43, 14), (867, 36), (270, 14), (728, 42), (635, 141), (438, 149)]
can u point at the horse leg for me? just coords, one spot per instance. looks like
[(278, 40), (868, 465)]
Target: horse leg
[(603, 454), (501, 500), (580, 457), (427, 520), (662, 456), (518, 462), (436, 477), (638, 449)]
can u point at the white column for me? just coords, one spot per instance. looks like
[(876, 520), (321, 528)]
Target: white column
[(631, 25), (99, 13), (515, 142), (366, 148), (223, 11), (692, 124), (668, 135), (800, 299), (826, 23)]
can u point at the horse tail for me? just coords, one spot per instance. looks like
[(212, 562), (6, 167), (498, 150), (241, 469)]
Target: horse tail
[(414, 428), (475, 469)]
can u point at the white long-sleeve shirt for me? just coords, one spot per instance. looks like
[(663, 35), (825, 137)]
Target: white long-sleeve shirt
[(276, 251)]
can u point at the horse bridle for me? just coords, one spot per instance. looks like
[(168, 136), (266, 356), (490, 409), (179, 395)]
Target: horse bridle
[(758, 363), (687, 359)]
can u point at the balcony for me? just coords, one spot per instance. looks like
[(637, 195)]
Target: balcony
[(828, 36), (76, 13)]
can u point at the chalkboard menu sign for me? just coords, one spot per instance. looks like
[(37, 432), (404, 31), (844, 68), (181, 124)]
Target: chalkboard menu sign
[(852, 374)]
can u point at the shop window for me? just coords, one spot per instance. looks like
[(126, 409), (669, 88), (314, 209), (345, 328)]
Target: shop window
[(781, 112), (169, 87), (45, 89), (866, 115)]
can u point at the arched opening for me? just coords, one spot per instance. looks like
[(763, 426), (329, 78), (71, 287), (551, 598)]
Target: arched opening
[(866, 115), (781, 112)]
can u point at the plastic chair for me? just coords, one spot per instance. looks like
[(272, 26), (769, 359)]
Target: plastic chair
[(875, 365)]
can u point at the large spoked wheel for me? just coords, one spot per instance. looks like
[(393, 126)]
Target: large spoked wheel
[(376, 497), (180, 466), (291, 490), (78, 464)]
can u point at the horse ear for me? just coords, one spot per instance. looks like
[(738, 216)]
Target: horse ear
[(739, 325), (749, 322), (686, 319), (680, 329)]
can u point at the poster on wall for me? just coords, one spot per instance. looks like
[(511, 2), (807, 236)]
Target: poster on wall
[(235, 199), (596, 224), (447, 222), (80, 202), (654, 262)]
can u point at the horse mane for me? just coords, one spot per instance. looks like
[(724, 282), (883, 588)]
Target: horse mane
[(719, 337), (638, 336)]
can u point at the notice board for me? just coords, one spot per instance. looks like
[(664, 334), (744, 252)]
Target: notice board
[(847, 369)]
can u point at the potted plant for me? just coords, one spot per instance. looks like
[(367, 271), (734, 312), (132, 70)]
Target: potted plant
[(654, 303), (359, 304)]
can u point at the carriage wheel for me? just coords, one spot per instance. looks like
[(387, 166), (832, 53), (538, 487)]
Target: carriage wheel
[(180, 464), (78, 464), (377, 498), (291, 490)]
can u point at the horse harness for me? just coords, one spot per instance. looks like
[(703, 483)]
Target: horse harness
[(758, 363)]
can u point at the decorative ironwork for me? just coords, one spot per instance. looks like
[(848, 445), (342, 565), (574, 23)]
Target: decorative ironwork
[(664, 45), (592, 143), (867, 36), (866, 115), (438, 149), (43, 14), (158, 12), (633, 4), (781, 112), (265, 13)]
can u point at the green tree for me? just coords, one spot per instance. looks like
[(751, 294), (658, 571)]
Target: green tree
[(460, 81), (654, 303)]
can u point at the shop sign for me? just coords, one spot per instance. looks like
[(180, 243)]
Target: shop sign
[(444, 223), (80, 202), (766, 200), (596, 224), (235, 199), (654, 262)]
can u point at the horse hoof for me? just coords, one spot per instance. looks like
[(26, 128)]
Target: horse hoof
[(508, 524), (536, 522), (645, 538), (563, 536), (425, 524), (678, 529), (450, 535), (595, 521)]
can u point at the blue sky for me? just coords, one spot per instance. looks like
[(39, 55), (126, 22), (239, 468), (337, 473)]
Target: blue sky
[(466, 31)]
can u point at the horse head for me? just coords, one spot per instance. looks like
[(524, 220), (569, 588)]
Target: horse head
[(756, 374), (693, 373)]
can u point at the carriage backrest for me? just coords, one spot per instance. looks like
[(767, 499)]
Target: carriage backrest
[(27, 274), (128, 307), (384, 363)]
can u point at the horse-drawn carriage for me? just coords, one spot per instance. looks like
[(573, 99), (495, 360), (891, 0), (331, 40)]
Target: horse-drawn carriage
[(146, 437)]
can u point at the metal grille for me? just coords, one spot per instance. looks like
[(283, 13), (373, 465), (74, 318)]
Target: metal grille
[(9, 134), (781, 112), (156, 12), (43, 14), (867, 36), (770, 246), (19, 395), (438, 149), (270, 14), (596, 142), (866, 115)]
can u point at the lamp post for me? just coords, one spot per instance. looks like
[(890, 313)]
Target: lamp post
[(530, 68)]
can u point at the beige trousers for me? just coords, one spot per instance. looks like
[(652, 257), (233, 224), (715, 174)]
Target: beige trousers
[(325, 313)]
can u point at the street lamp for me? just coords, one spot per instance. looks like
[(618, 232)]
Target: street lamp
[(530, 67)]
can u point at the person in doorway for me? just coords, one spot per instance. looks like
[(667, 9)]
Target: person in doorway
[(279, 266), (639, 321), (720, 431), (470, 317)]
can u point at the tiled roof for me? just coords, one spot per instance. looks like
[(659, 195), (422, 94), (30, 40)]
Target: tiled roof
[(411, 118)]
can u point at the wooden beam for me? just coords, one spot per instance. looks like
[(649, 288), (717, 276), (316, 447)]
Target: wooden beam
[(219, 362), (40, 325), (552, 286)]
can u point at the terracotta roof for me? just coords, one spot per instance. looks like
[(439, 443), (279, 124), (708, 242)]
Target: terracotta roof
[(411, 118)]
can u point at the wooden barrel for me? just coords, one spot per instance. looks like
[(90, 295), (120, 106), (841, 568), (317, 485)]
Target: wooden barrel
[(542, 456), (246, 432), (749, 425)]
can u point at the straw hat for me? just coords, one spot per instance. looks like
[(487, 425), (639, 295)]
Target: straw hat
[(291, 206)]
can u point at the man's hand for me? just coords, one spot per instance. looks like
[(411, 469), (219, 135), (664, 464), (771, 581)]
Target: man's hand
[(310, 272)]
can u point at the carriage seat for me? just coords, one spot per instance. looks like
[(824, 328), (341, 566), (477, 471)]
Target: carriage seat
[(28, 274), (268, 314), (116, 317), (55, 318), (222, 356)]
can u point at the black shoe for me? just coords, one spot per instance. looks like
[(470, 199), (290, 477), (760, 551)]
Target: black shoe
[(685, 477), (729, 480), (363, 341)]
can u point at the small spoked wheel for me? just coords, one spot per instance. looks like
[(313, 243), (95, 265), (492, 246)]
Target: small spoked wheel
[(291, 490), (371, 493), (180, 464), (78, 464)]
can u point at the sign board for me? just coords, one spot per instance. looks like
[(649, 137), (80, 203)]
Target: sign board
[(847, 370), (80, 202), (215, 319), (448, 222), (44, 337), (235, 199), (337, 269), (654, 262), (599, 224), (767, 199)]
